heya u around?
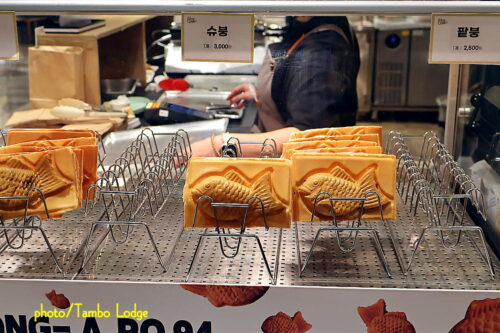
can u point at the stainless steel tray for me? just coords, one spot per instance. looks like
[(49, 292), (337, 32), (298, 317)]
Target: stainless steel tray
[(462, 268), (116, 142), (203, 100)]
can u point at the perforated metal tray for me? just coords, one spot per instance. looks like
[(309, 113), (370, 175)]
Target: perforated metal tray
[(435, 267)]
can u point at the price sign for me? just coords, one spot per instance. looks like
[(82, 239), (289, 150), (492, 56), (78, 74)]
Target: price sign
[(217, 37), (9, 47), (465, 39)]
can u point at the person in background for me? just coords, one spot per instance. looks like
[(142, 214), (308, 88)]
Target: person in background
[(308, 80)]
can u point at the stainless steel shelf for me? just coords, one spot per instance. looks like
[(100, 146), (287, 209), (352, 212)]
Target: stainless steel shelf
[(462, 268), (155, 7)]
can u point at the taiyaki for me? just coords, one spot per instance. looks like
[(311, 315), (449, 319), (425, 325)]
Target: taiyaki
[(340, 185), (220, 295), (16, 178), (233, 188), (360, 149), (378, 320), (355, 137), (338, 131), (481, 317), (58, 300), (282, 323)]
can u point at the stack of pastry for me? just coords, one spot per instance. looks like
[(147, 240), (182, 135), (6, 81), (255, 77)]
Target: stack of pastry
[(60, 163), (346, 162)]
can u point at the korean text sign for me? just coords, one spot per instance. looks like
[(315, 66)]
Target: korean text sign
[(465, 39), (218, 37)]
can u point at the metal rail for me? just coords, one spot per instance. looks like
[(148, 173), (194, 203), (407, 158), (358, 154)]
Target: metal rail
[(156, 7)]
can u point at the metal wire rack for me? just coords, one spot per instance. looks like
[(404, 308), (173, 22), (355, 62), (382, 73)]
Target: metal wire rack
[(436, 185), (447, 257), (135, 185), (233, 148)]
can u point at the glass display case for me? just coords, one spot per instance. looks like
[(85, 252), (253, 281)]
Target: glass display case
[(150, 245)]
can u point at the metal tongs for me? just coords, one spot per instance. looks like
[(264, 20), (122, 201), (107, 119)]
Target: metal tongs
[(223, 111)]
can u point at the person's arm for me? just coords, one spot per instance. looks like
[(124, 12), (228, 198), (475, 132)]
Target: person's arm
[(205, 148)]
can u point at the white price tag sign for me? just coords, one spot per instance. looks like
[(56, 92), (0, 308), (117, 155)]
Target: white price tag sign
[(9, 47), (465, 39), (217, 37)]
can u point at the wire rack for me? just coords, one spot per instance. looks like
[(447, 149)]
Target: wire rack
[(432, 195)]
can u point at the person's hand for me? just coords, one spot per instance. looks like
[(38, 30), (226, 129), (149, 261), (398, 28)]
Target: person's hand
[(241, 94)]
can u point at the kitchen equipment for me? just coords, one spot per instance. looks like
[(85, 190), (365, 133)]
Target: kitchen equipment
[(116, 142), (138, 103), (115, 87), (403, 78), (224, 111)]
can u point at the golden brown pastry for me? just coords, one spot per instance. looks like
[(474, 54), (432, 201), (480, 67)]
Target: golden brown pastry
[(55, 172), (18, 135), (367, 150), (79, 152), (282, 323), (236, 181), (343, 175), (355, 137), (378, 320), (325, 144), (482, 317), (90, 156), (339, 131), (220, 295)]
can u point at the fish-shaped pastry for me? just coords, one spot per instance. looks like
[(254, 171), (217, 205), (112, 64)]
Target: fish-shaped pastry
[(58, 300), (232, 187), (340, 184), (378, 320), (282, 323), (349, 130), (220, 295), (16, 178), (482, 317)]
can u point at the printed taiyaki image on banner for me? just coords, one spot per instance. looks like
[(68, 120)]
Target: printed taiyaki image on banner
[(55, 172), (348, 130), (220, 295), (483, 316), (343, 175), (283, 323), (378, 320), (367, 150), (236, 180), (356, 137), (303, 145)]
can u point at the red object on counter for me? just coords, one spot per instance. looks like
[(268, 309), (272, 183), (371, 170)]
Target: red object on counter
[(181, 84), (167, 84), (174, 84)]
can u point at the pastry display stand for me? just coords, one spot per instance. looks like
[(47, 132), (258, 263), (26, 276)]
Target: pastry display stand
[(135, 185), (232, 148), (22, 228), (353, 227), (132, 228), (441, 190)]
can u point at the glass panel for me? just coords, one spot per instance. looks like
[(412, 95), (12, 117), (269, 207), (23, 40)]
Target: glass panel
[(308, 72)]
